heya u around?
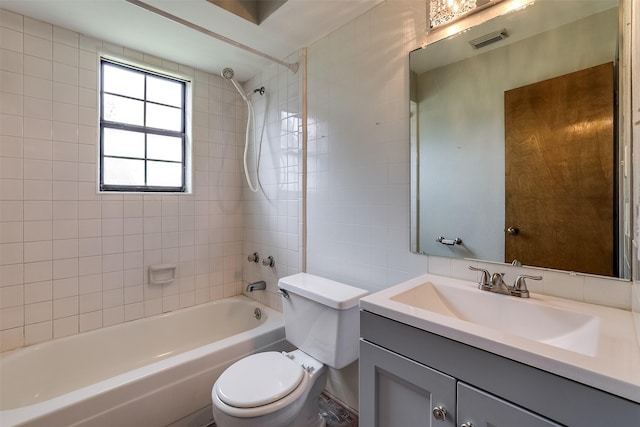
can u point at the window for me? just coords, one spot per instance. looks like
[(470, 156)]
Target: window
[(142, 130)]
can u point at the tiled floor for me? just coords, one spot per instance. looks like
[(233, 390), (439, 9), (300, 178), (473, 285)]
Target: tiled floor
[(334, 414)]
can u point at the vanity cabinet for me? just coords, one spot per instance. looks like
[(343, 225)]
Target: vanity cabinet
[(396, 391), (411, 377)]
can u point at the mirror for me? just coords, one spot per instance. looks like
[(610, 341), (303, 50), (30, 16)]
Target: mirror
[(515, 154)]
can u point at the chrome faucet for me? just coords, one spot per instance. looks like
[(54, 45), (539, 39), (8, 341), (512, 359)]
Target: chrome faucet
[(257, 286), (497, 285)]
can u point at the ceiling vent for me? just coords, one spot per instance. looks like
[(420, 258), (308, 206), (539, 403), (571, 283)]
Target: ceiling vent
[(487, 39)]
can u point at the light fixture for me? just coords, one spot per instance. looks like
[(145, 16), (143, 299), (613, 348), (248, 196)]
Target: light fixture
[(445, 11)]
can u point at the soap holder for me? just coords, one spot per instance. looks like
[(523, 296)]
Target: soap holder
[(162, 274)]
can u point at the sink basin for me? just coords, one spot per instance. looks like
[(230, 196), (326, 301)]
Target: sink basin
[(586, 343), (577, 332)]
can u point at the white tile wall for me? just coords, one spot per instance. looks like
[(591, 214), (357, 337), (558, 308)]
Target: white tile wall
[(71, 259), (635, 69), (358, 168), (273, 216), (358, 192)]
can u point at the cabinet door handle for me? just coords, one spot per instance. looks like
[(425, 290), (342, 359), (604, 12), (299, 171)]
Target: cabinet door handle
[(439, 413), (467, 424)]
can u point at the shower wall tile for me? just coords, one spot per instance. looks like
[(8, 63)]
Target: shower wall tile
[(73, 259), (273, 216), (11, 39)]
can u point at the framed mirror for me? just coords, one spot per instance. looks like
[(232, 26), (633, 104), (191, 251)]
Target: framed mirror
[(515, 141)]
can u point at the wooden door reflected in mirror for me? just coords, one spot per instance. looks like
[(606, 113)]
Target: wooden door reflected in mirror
[(559, 172)]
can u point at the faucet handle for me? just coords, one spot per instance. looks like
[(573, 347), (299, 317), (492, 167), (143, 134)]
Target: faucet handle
[(254, 257), (484, 278), (269, 261), (520, 285)]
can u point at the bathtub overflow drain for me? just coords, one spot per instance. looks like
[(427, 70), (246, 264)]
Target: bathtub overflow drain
[(257, 313)]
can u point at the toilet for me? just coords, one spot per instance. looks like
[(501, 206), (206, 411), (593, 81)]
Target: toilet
[(273, 389)]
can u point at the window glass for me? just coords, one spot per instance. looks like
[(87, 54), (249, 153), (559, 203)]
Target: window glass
[(123, 143), (160, 147), (123, 110), (161, 117), (122, 81), (163, 174), (123, 171), (163, 91), (142, 123)]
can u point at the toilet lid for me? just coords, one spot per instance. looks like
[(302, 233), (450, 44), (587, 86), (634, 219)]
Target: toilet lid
[(259, 379)]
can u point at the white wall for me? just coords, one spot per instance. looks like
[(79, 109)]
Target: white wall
[(634, 35), (358, 220), (72, 260), (358, 157), (358, 149), (358, 191), (273, 217)]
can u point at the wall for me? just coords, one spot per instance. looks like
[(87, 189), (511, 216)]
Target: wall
[(72, 260), (359, 163), (273, 216), (358, 154), (358, 157), (633, 31), (358, 151)]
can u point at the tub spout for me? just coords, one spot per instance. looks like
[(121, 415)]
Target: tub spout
[(257, 286)]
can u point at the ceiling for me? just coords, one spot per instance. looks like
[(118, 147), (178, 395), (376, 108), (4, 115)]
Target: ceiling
[(296, 24)]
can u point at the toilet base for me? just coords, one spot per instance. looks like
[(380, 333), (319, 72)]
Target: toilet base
[(304, 412), (321, 421), (310, 416)]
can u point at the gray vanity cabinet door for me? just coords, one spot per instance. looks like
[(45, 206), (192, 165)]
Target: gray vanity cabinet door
[(398, 392), (479, 409)]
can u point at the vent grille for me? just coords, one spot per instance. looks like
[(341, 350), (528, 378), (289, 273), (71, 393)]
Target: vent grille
[(488, 39)]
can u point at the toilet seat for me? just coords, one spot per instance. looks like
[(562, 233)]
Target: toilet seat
[(284, 405), (258, 380)]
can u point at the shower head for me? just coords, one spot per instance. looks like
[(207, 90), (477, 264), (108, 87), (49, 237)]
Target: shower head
[(227, 73)]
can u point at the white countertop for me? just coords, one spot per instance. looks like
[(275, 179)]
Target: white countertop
[(614, 367)]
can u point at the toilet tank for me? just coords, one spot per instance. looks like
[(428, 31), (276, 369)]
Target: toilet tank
[(321, 318)]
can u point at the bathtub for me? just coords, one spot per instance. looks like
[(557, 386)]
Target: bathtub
[(155, 371)]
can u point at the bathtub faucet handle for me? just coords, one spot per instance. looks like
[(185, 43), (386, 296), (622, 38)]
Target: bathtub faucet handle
[(254, 257)]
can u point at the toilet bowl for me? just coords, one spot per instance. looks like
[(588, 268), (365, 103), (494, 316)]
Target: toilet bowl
[(274, 389), (270, 389)]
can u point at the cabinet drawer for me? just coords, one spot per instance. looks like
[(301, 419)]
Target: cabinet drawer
[(477, 408)]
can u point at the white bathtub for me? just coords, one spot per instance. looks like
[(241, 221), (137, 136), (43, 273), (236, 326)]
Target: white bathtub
[(150, 372)]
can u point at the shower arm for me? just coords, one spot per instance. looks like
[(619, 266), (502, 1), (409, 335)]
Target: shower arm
[(292, 66)]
